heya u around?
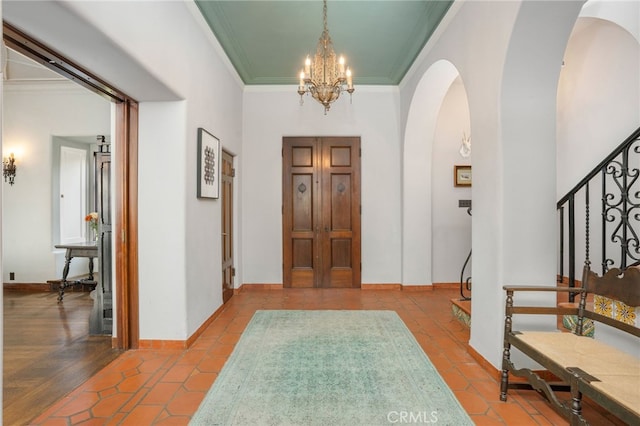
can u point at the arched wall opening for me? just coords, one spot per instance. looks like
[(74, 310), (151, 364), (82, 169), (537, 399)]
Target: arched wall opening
[(598, 107), (523, 166), (450, 223), (429, 131)]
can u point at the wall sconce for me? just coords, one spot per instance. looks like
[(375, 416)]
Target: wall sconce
[(9, 168)]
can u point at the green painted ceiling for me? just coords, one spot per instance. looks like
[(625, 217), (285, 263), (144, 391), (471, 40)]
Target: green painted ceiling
[(267, 41)]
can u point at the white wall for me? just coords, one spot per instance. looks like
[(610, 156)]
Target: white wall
[(184, 248), (598, 108), (417, 163), (451, 225), (183, 263), (181, 287), (33, 114), (273, 112), (187, 83), (486, 42), (162, 215), (513, 116), (598, 97), (475, 42)]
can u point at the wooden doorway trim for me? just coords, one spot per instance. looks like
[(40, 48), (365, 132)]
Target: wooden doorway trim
[(126, 226), (228, 269), (126, 169), (321, 212)]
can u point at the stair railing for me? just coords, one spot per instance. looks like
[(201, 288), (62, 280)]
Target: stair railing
[(616, 181)]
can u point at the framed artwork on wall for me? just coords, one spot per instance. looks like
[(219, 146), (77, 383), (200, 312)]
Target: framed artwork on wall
[(461, 175), (208, 165)]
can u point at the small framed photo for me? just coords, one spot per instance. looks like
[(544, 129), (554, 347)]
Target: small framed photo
[(461, 175), (208, 165)]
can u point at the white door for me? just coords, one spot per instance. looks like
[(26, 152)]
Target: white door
[(73, 195)]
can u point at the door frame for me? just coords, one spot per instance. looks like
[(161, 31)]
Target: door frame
[(126, 173), (59, 146), (317, 164), (227, 204)]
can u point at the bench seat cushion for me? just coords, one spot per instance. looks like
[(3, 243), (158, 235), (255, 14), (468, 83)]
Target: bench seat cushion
[(618, 372)]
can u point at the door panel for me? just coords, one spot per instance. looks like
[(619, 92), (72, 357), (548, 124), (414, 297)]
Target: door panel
[(340, 243), (321, 212), (300, 212), (302, 202), (226, 183), (73, 195)]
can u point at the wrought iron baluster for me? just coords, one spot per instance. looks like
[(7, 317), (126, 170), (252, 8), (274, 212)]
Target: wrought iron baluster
[(632, 209), (603, 240), (620, 212), (572, 244), (561, 272), (586, 225)]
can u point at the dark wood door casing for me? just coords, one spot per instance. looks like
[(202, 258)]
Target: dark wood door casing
[(125, 233), (126, 226), (321, 212), (228, 271)]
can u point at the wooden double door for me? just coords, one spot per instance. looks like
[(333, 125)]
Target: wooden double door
[(321, 212)]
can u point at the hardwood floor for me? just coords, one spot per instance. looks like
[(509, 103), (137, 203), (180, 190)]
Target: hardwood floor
[(47, 351)]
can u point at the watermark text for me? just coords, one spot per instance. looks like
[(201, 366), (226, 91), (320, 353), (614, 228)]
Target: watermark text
[(421, 417)]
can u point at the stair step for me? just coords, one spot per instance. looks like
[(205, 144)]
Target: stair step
[(461, 309)]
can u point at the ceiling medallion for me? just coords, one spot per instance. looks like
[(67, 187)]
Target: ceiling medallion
[(325, 77)]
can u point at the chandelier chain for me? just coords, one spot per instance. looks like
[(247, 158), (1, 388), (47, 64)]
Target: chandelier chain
[(324, 17)]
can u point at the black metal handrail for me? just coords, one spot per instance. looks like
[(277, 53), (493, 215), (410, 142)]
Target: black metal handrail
[(619, 178)]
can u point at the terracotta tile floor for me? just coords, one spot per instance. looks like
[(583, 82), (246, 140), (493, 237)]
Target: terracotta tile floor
[(165, 387)]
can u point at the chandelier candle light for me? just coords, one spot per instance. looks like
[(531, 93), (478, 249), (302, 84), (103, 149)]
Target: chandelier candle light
[(324, 76)]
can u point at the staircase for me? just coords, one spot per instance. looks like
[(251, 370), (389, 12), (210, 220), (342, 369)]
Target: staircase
[(607, 229)]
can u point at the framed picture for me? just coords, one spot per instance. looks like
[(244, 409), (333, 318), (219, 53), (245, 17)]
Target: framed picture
[(461, 175), (208, 165)]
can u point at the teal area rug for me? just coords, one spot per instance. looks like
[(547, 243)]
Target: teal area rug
[(328, 368)]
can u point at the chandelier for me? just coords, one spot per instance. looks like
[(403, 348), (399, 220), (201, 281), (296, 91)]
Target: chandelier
[(325, 77)]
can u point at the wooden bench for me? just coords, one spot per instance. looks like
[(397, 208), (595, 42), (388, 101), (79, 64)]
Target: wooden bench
[(581, 364)]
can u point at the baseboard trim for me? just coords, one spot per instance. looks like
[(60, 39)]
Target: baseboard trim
[(488, 367), (35, 287), (446, 285), (363, 286), (180, 344), (162, 344), (191, 340), (258, 286), (427, 287), (381, 286)]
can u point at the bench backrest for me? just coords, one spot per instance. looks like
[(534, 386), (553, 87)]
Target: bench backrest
[(616, 297), (624, 287)]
